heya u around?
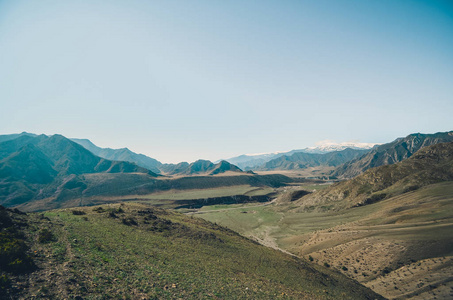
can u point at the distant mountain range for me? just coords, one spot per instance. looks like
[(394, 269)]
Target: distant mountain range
[(303, 160), (258, 161), (122, 154), (390, 153), (199, 167), (41, 166), (429, 165), (39, 172)]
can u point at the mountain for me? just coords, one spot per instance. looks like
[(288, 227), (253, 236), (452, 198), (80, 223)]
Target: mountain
[(249, 161), (48, 172), (429, 165), (386, 154), (7, 137), (134, 251), (256, 161), (34, 167), (123, 154), (223, 167), (302, 160), (199, 167), (330, 146)]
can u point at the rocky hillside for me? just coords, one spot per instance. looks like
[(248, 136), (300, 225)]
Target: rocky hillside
[(391, 153), (134, 251), (429, 165)]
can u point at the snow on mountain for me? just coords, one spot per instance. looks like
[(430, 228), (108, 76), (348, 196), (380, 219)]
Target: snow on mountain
[(246, 161), (329, 146)]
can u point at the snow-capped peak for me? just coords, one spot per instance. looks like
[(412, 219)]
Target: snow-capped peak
[(329, 146)]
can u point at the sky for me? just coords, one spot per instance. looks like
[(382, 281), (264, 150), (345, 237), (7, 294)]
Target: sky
[(188, 80)]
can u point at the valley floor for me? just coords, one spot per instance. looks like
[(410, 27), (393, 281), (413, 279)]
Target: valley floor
[(401, 247)]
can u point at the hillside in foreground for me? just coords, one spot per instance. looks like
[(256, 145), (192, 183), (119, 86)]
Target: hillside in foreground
[(135, 251)]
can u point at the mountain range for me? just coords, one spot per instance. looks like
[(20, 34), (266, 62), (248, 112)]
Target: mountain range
[(40, 166), (44, 172), (390, 153), (123, 154), (199, 167), (303, 160), (258, 161), (429, 165)]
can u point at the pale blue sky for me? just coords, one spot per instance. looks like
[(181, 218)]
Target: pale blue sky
[(182, 80)]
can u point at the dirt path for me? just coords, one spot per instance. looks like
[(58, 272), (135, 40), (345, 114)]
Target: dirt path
[(269, 241)]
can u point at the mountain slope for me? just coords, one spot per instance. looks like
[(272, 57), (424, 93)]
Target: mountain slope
[(40, 166), (199, 167), (122, 154), (250, 161), (139, 252), (253, 161), (429, 165), (391, 153), (302, 160), (7, 137)]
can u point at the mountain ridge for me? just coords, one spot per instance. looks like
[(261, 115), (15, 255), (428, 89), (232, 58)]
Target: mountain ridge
[(122, 154), (390, 153), (252, 161), (302, 160), (429, 165), (36, 166), (199, 167)]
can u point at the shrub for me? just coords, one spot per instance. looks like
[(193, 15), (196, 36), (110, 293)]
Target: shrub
[(411, 188), (310, 258), (386, 270), (98, 209), (45, 236), (5, 220), (344, 268), (78, 212), (327, 265), (375, 198), (129, 221), (4, 283), (13, 254)]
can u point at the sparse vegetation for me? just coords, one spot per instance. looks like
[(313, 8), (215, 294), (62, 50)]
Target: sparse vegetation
[(45, 236), (166, 255)]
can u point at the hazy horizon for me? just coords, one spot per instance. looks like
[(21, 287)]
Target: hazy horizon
[(180, 81)]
